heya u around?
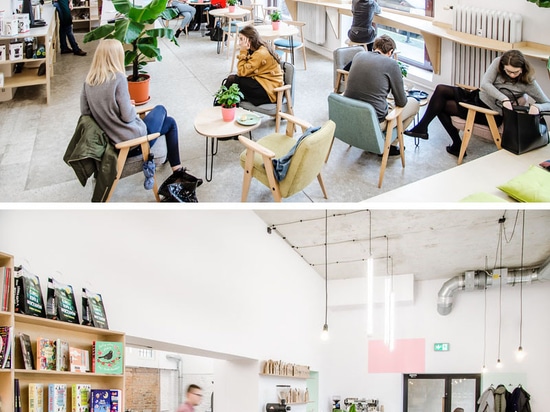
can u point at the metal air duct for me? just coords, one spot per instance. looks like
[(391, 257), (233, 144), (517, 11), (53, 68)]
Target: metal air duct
[(480, 279)]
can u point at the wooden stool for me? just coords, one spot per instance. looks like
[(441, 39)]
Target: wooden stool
[(352, 43)]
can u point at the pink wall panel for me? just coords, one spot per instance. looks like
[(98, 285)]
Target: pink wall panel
[(408, 356)]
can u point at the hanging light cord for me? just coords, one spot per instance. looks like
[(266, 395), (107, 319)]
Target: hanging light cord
[(501, 221), (326, 271), (521, 284), (370, 234)]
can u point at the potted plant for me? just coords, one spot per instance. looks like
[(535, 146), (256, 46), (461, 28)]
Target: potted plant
[(231, 4), (275, 19), (404, 68), (228, 97), (134, 27)]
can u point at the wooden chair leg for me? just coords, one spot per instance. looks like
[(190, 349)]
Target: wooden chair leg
[(247, 176), (468, 129), (121, 161), (494, 130), (385, 156), (322, 184)]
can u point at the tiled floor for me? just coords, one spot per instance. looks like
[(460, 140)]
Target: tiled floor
[(34, 135)]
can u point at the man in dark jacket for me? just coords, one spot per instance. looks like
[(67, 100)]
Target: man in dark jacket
[(64, 8)]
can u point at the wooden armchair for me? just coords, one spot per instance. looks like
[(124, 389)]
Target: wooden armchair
[(306, 163), (285, 98), (492, 131)]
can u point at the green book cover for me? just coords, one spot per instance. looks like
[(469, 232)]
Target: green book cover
[(108, 357)]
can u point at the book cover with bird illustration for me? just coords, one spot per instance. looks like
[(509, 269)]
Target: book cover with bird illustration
[(108, 357)]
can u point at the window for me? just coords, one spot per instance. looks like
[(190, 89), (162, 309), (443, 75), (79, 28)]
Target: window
[(409, 45)]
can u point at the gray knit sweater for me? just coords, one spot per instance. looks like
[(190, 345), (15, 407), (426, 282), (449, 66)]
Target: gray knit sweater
[(109, 104), (492, 82), (371, 78)]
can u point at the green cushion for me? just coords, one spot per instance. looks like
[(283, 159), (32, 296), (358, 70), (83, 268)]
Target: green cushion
[(482, 197), (531, 186)]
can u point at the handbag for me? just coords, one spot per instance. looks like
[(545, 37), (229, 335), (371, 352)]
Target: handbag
[(523, 132)]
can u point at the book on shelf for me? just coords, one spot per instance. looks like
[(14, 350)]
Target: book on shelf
[(80, 397), (26, 351), (62, 356), (100, 400), (57, 397), (93, 310), (45, 354), (36, 397), (16, 396), (5, 278), (115, 400), (60, 302), (28, 294), (6, 345), (107, 357), (79, 359)]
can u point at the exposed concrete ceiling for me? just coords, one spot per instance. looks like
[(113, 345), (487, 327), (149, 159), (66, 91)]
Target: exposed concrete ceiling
[(431, 244)]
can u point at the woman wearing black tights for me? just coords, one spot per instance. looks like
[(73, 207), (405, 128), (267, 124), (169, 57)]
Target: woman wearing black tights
[(508, 76)]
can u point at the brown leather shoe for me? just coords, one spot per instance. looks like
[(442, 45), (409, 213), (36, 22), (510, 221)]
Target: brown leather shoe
[(80, 53)]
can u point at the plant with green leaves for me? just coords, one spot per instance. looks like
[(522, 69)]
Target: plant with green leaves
[(134, 26), (229, 96), (541, 3), (276, 15), (232, 2), (404, 68)]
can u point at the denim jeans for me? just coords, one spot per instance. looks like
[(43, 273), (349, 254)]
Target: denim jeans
[(157, 121), (185, 10)]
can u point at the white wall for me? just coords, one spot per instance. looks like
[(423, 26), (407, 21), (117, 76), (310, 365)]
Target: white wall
[(462, 328)]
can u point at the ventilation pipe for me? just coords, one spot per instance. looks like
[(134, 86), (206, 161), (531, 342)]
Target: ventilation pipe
[(179, 360), (481, 279)]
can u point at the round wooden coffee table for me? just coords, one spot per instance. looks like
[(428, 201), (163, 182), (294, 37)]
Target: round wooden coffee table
[(210, 124)]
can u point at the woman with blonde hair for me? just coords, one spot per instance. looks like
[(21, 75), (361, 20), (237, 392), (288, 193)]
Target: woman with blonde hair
[(105, 97), (258, 70)]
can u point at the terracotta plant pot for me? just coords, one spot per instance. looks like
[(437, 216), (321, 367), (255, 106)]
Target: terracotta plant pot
[(275, 25), (228, 113), (232, 9), (139, 91)]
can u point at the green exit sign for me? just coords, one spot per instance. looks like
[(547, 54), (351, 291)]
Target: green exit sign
[(442, 347)]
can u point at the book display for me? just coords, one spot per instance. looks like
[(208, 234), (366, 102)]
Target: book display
[(60, 303), (52, 342)]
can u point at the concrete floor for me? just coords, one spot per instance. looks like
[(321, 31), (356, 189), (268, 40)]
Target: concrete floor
[(34, 135)]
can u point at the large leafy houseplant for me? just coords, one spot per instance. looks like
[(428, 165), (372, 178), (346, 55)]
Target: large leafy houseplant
[(541, 3), (133, 27)]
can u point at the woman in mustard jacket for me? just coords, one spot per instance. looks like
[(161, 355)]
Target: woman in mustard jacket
[(258, 70)]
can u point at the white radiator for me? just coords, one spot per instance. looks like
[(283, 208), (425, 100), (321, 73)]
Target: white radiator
[(470, 63), (314, 17)]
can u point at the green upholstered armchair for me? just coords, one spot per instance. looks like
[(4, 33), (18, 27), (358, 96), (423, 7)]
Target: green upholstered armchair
[(357, 124), (306, 163)]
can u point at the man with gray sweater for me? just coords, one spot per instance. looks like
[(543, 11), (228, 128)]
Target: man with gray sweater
[(373, 75)]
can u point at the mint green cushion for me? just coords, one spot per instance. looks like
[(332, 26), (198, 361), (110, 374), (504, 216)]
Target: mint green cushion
[(482, 197), (531, 186)]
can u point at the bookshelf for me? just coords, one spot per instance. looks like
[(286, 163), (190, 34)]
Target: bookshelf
[(76, 335)]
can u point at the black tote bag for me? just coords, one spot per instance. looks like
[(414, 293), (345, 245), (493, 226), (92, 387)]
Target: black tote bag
[(523, 132)]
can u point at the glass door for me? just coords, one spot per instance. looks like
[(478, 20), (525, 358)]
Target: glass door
[(440, 392)]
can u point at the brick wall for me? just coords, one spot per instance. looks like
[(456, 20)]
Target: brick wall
[(142, 392)]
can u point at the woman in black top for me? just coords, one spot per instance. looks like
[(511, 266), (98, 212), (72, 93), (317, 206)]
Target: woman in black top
[(362, 29)]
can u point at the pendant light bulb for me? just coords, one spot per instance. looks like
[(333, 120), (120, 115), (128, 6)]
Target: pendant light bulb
[(484, 369), (499, 363), (324, 334), (520, 353)]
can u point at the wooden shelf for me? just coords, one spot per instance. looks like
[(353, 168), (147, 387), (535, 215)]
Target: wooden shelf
[(284, 376)]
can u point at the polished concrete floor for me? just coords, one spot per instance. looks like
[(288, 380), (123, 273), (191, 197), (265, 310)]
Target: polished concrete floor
[(34, 135)]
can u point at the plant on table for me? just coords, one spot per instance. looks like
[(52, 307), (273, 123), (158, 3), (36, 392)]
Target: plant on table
[(133, 26), (232, 2), (276, 16), (229, 96), (404, 68)]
